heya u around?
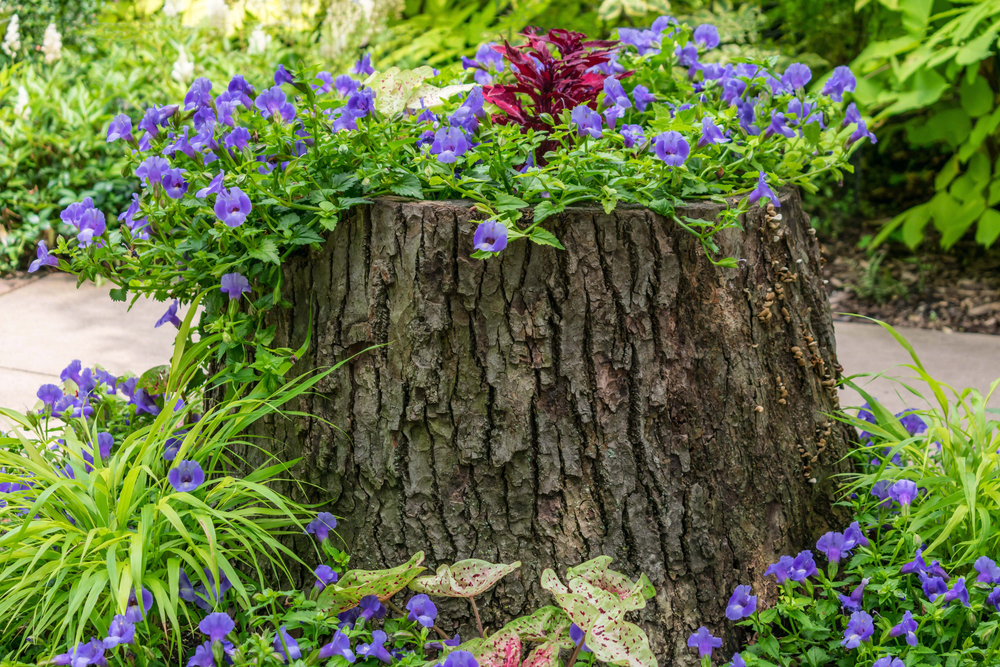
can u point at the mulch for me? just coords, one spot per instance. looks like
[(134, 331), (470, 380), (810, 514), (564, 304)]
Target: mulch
[(954, 291)]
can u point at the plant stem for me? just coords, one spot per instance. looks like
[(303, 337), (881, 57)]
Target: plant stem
[(479, 623), (572, 656)]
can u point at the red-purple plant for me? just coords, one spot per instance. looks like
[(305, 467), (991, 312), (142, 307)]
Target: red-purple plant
[(547, 84)]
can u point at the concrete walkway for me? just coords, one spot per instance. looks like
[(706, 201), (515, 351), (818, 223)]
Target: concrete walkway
[(46, 323)]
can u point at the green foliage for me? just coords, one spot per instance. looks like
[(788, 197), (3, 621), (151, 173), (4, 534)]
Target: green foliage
[(73, 18), (935, 72), (955, 459), (55, 150), (87, 528)]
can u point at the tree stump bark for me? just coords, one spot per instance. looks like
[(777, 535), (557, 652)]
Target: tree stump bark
[(623, 396)]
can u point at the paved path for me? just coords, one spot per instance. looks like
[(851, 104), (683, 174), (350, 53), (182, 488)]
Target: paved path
[(46, 323)]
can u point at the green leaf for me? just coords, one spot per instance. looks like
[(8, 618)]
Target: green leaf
[(549, 623), (978, 49), (408, 186), (988, 229), (619, 642), (466, 578), (546, 209), (977, 96), (267, 251), (119, 294), (505, 202), (545, 237)]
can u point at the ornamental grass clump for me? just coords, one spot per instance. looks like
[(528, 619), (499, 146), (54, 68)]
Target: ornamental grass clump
[(240, 174), (913, 579)]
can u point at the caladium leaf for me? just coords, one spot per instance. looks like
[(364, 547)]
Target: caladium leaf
[(579, 608), (432, 96), (464, 579), (619, 642), (356, 584), (597, 576), (549, 624), (502, 649), (545, 655), (394, 87)]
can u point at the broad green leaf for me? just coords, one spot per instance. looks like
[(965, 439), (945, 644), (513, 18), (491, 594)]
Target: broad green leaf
[(988, 228), (464, 579)]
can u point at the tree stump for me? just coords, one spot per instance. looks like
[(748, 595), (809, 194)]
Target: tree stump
[(623, 396)]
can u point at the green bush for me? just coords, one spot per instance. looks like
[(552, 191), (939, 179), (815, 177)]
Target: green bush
[(933, 73)]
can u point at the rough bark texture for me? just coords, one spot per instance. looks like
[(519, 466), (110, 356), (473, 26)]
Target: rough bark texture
[(622, 397)]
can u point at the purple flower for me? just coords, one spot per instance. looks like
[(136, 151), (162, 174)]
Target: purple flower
[(778, 126), (376, 648), (906, 627), (206, 598), (325, 575), (781, 569), (738, 660), (913, 424), (120, 128), (203, 656), (587, 121), (345, 85), (327, 83), (802, 567), (707, 35), (43, 258), (642, 97), (854, 536), (842, 80), (216, 625), (615, 98), (172, 447), (880, 490), (214, 187), (762, 190), (861, 133), (577, 634), (988, 571), (150, 121), (460, 658), (796, 76), (138, 226), (422, 610), (933, 586), (993, 599), (371, 608), (958, 592), (90, 653), (859, 629), (832, 544), (632, 134), (449, 143), (272, 102), (199, 94), (283, 641), (91, 227), (687, 56), (151, 170), (853, 601), (339, 645), (173, 183), (490, 236), (741, 604), (888, 661), (745, 113), (903, 492), (467, 116), (364, 65), (186, 476), (49, 394), (238, 139), (645, 41), (360, 103), (119, 632), (322, 526), (235, 285), (732, 90), (671, 147), (710, 133), (777, 87), (281, 76), (704, 642), (133, 612), (232, 206), (486, 63)]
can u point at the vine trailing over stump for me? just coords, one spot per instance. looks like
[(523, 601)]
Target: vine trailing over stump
[(235, 180)]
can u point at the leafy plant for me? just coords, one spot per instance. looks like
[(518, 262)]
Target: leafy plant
[(131, 520), (253, 176), (935, 73)]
